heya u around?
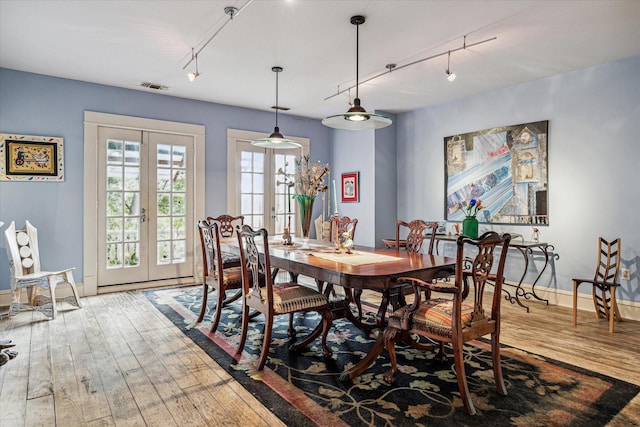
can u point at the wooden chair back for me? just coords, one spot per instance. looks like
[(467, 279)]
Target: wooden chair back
[(344, 225), (608, 261), (227, 223), (256, 278), (416, 234)]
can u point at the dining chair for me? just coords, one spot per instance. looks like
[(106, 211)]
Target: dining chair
[(450, 320), (26, 273), (342, 225), (226, 226), (217, 277), (415, 235), (603, 284), (272, 299)]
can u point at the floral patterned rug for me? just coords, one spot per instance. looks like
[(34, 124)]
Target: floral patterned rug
[(304, 389)]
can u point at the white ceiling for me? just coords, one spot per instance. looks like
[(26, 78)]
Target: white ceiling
[(124, 43)]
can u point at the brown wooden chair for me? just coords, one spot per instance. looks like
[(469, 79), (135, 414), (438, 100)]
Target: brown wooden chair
[(604, 283), (413, 244), (217, 276), (273, 299), (449, 320), (344, 225), (226, 226)]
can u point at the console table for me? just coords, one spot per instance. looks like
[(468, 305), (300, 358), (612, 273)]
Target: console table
[(526, 249)]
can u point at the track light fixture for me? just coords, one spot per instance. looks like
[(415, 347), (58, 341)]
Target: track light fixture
[(276, 140), (193, 76), (451, 76), (357, 118)]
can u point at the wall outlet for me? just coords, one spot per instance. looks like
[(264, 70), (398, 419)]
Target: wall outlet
[(625, 273)]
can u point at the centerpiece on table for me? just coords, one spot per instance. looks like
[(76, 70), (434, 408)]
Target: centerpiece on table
[(470, 223), (309, 181)]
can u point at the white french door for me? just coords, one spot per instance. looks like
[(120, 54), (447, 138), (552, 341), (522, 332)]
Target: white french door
[(257, 179), (145, 196)]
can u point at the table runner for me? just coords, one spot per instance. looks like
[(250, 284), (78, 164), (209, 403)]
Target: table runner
[(355, 258)]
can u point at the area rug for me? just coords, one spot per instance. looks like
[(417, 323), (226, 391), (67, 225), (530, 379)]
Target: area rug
[(304, 389)]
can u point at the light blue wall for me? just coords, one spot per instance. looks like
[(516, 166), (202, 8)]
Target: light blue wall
[(594, 161), (33, 104)]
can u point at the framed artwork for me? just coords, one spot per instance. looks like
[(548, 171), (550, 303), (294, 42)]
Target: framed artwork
[(350, 190), (506, 168), (31, 158)]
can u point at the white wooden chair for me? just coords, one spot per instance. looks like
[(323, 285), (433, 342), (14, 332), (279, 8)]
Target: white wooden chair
[(24, 260)]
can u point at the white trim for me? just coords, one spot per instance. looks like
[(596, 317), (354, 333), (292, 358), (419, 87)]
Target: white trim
[(92, 121)]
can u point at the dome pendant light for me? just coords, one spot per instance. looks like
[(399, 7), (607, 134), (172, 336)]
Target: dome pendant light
[(357, 118), (276, 140)]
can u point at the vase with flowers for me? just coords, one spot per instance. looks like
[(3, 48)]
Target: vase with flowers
[(309, 181), (470, 223)]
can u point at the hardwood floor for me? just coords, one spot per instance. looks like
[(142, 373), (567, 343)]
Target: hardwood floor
[(118, 361)]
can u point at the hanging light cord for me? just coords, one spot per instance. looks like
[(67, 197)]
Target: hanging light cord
[(277, 72), (357, 57)]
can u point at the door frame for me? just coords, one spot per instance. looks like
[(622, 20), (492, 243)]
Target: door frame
[(92, 121)]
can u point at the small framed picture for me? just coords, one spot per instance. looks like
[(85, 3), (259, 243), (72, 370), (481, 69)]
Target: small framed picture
[(350, 187), (31, 158)]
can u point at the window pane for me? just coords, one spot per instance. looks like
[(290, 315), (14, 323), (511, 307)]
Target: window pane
[(114, 203), (179, 156), (164, 228), (132, 204), (179, 228), (178, 204), (164, 253), (179, 251), (132, 178), (245, 184), (131, 254), (258, 162), (179, 181), (164, 179), (164, 154), (258, 207), (163, 204), (114, 178), (132, 153), (114, 255), (245, 204)]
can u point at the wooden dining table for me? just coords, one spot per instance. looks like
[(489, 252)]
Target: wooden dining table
[(366, 268)]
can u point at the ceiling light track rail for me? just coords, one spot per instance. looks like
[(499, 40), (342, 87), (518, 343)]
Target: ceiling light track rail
[(231, 12), (394, 67)]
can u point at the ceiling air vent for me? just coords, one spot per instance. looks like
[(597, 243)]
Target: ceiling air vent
[(154, 86)]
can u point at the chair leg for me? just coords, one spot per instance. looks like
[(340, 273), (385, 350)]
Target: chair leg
[(70, 280), (52, 294), (390, 335), (266, 343), (458, 360), (575, 302), (613, 309), (323, 327), (218, 313), (497, 364), (203, 308), (245, 326)]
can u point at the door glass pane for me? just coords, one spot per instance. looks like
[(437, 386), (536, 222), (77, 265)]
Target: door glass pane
[(171, 203), (123, 203), (284, 166), (252, 188)]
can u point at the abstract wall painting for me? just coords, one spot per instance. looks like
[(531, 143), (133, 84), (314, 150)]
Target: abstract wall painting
[(504, 167)]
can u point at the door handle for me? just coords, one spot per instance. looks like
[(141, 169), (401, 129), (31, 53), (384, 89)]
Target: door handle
[(143, 215)]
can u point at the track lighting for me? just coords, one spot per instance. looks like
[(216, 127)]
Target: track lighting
[(276, 140), (193, 76), (357, 118), (451, 76)]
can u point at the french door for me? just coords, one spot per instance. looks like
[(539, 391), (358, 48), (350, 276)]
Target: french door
[(145, 230), (258, 181)]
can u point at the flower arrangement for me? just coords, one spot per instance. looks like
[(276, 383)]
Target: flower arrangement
[(473, 208), (309, 178)]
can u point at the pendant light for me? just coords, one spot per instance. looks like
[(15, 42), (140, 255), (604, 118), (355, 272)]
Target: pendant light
[(276, 140), (357, 118)]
